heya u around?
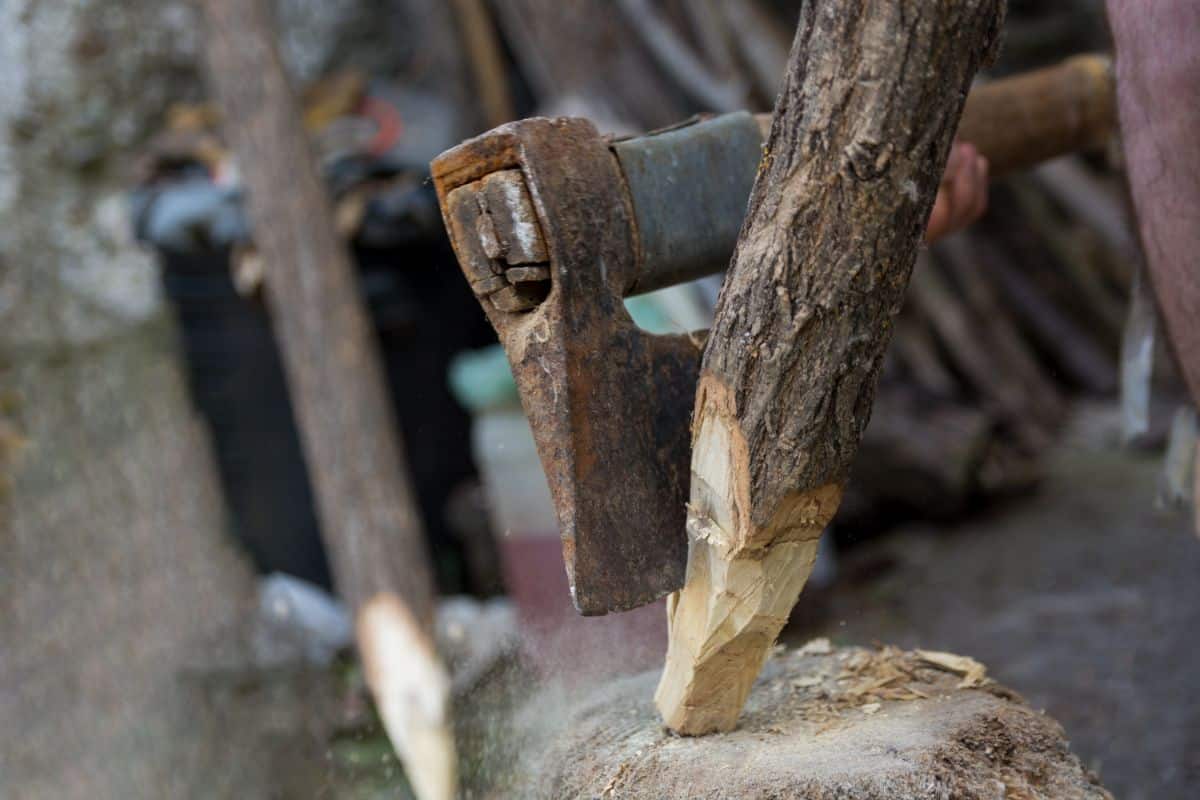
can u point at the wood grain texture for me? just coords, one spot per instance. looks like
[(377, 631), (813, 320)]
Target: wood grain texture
[(862, 128)]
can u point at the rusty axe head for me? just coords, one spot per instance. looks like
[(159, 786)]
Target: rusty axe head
[(539, 217)]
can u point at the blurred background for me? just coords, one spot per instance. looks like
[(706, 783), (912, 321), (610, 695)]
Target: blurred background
[(169, 622)]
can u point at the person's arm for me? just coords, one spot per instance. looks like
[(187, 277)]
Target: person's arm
[(962, 195)]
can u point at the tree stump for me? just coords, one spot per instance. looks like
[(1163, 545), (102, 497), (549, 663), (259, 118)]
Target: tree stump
[(849, 723)]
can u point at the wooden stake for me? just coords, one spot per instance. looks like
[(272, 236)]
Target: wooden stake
[(369, 520), (862, 129)]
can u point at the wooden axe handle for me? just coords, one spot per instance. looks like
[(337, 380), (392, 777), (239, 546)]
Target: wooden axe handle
[(1020, 121), (1016, 122)]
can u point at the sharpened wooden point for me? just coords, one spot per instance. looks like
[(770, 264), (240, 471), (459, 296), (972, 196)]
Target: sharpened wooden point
[(412, 694), (862, 129), (723, 624), (742, 581)]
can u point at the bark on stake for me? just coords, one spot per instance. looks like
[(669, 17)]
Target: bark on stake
[(368, 516), (871, 100)]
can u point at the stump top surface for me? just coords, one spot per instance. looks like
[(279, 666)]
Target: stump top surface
[(825, 723)]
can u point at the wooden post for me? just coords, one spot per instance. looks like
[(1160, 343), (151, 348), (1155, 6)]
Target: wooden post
[(872, 97), (368, 515)]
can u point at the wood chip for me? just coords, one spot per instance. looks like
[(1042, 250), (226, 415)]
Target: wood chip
[(808, 681), (974, 673), (816, 647)]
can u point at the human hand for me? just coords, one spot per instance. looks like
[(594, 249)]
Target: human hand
[(962, 196)]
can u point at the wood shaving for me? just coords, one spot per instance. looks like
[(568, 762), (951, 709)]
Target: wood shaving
[(816, 647), (855, 680), (974, 674), (616, 778)]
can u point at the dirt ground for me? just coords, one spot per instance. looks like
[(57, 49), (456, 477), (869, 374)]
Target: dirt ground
[(1082, 597)]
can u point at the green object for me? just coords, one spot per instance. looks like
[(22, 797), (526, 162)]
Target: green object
[(649, 315), (481, 380)]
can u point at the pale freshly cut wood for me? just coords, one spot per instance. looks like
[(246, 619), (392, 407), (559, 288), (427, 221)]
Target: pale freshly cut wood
[(872, 97), (733, 610), (411, 690)]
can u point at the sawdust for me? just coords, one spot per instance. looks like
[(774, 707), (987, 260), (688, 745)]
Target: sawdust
[(865, 679), (816, 647)]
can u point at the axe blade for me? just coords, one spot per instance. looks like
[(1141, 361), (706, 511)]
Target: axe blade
[(538, 218)]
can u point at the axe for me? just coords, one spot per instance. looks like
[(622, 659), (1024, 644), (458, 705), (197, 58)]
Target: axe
[(554, 225)]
